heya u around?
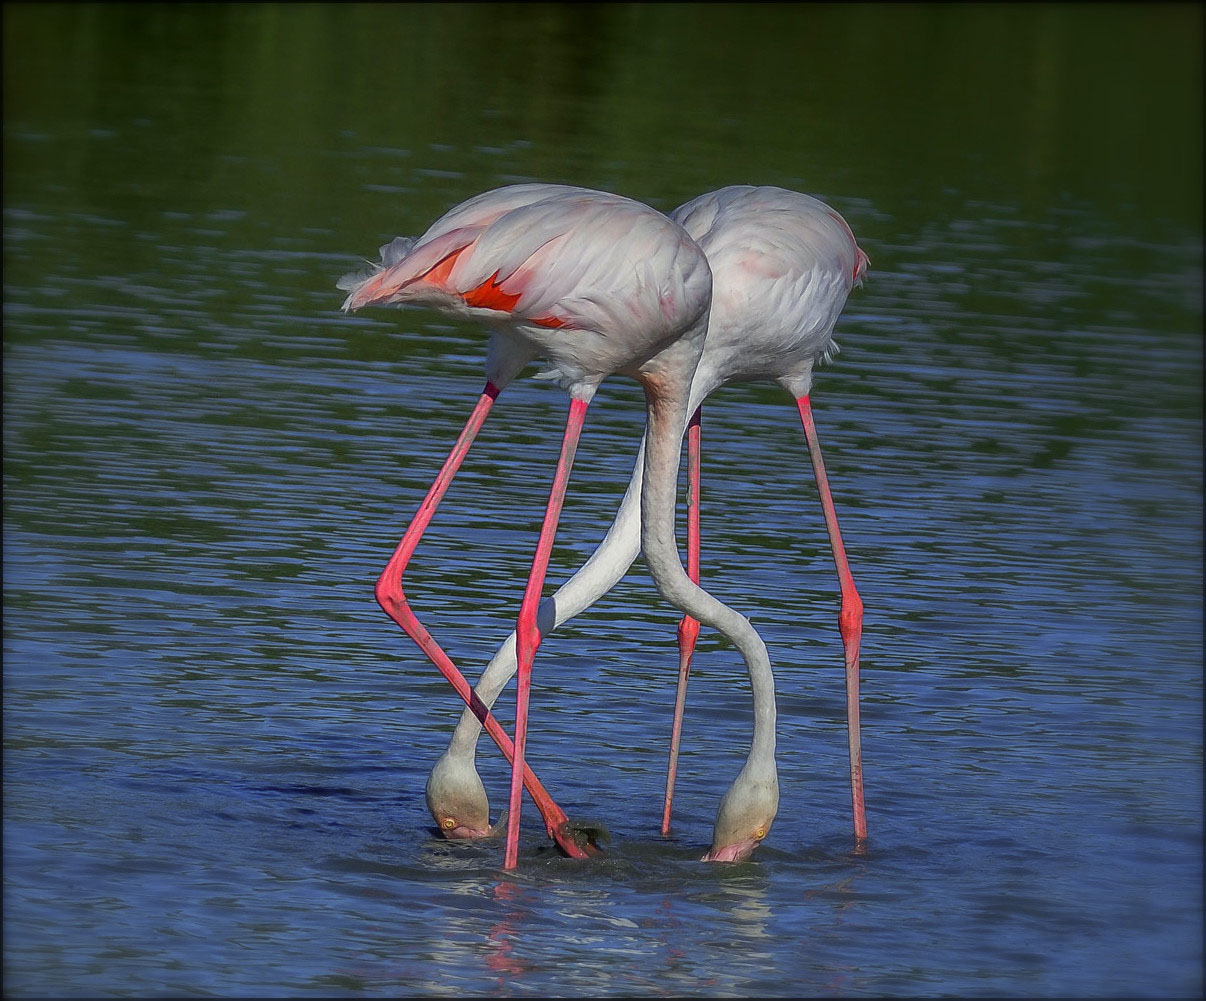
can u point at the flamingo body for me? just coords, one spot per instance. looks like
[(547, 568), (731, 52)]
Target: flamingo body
[(591, 282), (783, 265), (595, 284)]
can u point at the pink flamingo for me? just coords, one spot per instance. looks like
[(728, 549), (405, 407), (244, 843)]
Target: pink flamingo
[(594, 284), (783, 264)]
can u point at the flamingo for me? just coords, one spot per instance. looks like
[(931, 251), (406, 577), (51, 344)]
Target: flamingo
[(595, 284), (783, 265)]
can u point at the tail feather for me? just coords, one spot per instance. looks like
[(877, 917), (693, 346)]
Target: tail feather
[(395, 250), (391, 254), (860, 267)]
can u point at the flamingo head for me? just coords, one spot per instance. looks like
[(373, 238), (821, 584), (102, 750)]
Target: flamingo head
[(745, 816), (457, 799)]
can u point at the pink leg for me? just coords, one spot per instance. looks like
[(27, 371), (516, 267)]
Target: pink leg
[(391, 598), (527, 635), (850, 618), (688, 628)]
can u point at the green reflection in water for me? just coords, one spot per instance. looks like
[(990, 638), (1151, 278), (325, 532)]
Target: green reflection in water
[(661, 101)]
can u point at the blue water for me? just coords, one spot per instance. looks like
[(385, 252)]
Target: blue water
[(215, 742)]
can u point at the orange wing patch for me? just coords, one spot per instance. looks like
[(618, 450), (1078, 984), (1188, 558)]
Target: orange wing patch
[(488, 295), (438, 276)]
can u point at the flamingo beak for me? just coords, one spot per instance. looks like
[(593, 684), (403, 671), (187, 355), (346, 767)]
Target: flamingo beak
[(738, 851), (463, 833), (454, 831)]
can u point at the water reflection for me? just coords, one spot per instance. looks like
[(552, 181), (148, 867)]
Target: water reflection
[(629, 923), (500, 956), (662, 940)]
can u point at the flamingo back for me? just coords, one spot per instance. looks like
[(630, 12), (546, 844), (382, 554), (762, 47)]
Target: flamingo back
[(783, 264), (590, 280)]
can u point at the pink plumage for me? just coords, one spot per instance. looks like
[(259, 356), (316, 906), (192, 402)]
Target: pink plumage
[(595, 284), (539, 261)]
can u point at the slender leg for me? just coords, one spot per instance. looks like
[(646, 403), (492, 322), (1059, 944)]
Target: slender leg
[(527, 634), (391, 598), (850, 618), (688, 628)]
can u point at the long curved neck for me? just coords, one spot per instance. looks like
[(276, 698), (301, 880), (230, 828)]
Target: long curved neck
[(599, 575), (667, 406)]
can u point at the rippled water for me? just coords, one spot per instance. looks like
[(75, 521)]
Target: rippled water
[(216, 744)]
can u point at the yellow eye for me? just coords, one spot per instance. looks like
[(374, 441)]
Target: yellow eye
[(448, 823), (760, 833)]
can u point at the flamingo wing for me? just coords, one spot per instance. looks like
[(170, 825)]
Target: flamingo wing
[(549, 256)]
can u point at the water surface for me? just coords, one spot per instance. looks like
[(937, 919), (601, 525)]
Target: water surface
[(216, 743)]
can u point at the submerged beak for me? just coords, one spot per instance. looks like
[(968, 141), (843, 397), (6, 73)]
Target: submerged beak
[(739, 851), (464, 832)]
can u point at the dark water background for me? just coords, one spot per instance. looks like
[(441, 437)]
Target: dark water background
[(215, 743)]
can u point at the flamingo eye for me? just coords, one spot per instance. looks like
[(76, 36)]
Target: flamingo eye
[(760, 833), (448, 823)]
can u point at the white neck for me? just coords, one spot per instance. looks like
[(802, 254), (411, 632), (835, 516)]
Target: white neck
[(667, 412)]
